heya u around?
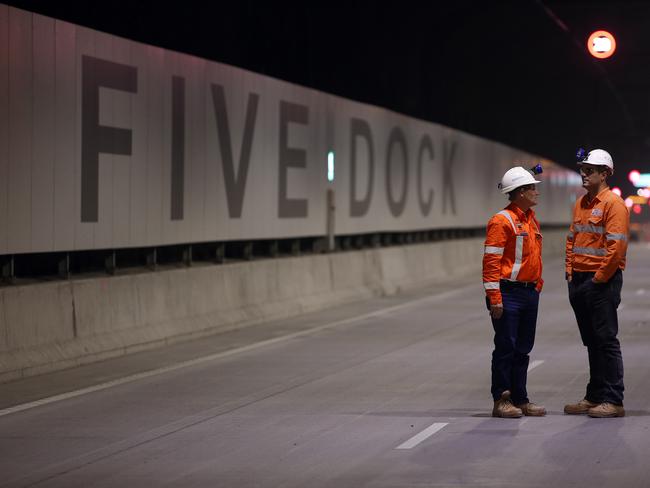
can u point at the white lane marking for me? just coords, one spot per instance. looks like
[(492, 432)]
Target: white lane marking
[(422, 436), (231, 352), (534, 364)]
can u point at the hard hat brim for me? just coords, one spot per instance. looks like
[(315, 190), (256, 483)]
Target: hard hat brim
[(510, 188)]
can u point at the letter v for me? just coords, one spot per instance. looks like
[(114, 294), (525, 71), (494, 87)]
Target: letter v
[(235, 183)]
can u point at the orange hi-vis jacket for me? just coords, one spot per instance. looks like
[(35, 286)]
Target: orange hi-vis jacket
[(597, 240), (513, 251)]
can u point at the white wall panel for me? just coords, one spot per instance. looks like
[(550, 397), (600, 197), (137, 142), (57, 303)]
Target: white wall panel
[(183, 228), (20, 131), (43, 167), (210, 223), (41, 83), (233, 83), (173, 230), (263, 174), (213, 174), (84, 232), (195, 140), (379, 207), (341, 145), (139, 186), (65, 140), (256, 218), (110, 105), (4, 126), (123, 117), (155, 211), (269, 160), (317, 162)]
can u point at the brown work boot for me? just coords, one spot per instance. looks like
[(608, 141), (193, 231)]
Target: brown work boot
[(582, 407), (505, 409), (532, 410), (606, 410)]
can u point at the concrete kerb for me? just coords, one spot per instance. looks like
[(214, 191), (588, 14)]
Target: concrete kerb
[(53, 326)]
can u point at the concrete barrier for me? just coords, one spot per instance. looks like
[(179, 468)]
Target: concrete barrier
[(50, 326)]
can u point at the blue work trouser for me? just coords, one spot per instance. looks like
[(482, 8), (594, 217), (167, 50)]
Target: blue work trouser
[(595, 305), (514, 336)]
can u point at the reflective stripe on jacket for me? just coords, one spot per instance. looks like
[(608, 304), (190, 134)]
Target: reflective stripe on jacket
[(513, 251), (597, 239)]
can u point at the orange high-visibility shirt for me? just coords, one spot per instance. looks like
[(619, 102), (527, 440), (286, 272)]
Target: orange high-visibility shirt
[(597, 239), (513, 251)]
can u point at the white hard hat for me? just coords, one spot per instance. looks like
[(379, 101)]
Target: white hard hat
[(516, 177), (599, 157)]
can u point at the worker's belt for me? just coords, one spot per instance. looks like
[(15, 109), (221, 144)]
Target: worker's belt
[(586, 274), (518, 284)]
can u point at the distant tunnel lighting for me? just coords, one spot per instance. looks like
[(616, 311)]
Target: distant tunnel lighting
[(601, 44), (330, 166), (628, 202), (637, 209), (617, 190), (634, 176), (639, 180)]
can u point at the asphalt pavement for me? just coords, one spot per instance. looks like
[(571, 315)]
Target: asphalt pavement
[(390, 392)]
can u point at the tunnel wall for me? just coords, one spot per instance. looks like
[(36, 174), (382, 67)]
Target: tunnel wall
[(106, 143)]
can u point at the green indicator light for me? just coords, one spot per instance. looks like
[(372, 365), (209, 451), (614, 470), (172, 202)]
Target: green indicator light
[(330, 166)]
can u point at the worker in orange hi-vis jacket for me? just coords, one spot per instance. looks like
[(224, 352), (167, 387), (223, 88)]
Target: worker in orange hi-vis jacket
[(512, 277), (595, 258)]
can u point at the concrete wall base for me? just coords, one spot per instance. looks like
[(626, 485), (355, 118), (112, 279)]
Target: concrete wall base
[(51, 326)]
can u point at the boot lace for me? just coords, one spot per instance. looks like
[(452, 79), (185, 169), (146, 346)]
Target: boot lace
[(507, 404)]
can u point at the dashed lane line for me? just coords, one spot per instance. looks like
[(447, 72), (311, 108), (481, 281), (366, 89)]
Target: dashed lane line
[(422, 436)]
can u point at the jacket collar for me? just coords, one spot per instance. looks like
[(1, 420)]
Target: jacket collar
[(598, 198), (521, 215)]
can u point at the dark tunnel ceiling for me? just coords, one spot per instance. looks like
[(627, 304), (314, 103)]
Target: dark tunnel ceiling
[(516, 72)]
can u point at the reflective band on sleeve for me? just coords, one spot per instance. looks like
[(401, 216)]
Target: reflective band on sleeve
[(493, 285), (519, 251), (616, 237), (493, 250), (506, 214), (589, 251), (594, 229)]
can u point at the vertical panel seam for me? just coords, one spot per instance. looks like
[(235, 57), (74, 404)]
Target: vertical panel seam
[(54, 152), (146, 156), (31, 150), (132, 157), (6, 193)]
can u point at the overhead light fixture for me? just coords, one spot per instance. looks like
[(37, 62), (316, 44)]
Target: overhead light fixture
[(601, 44)]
